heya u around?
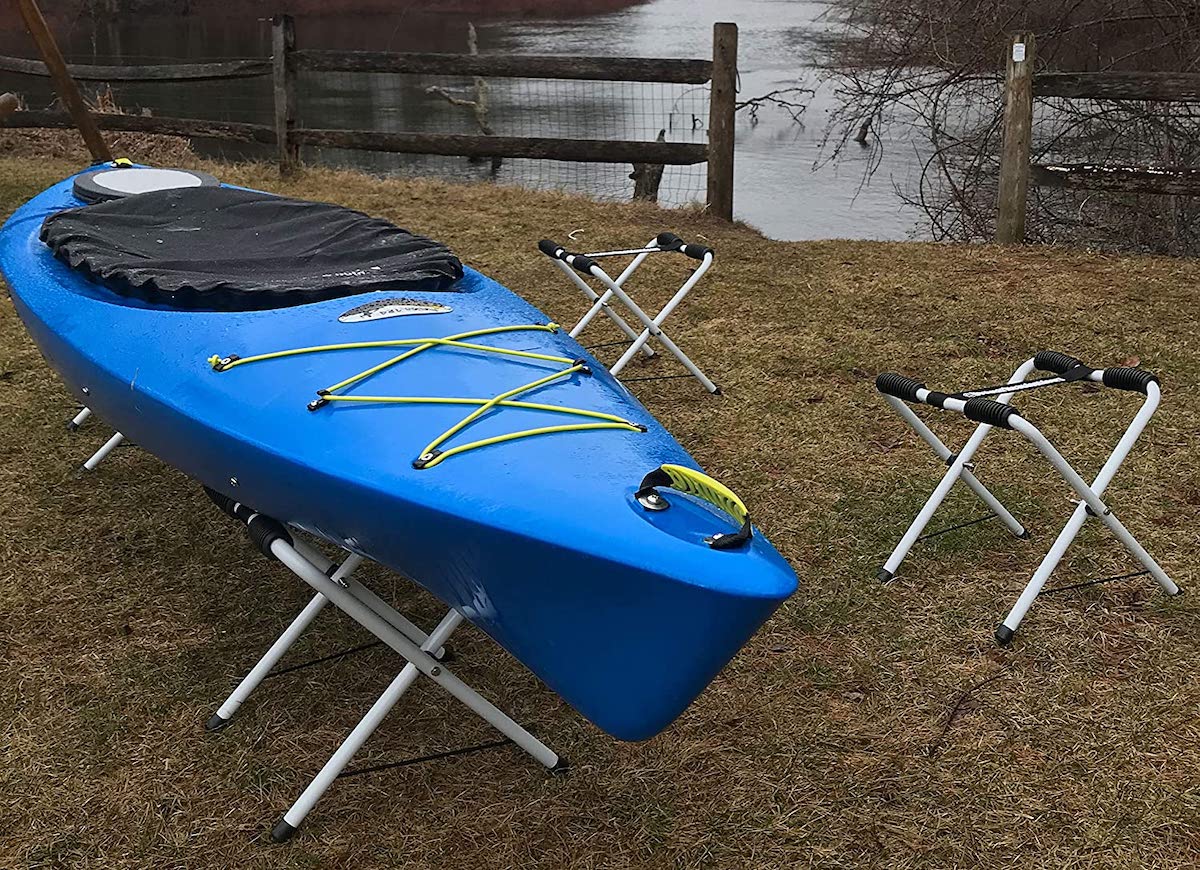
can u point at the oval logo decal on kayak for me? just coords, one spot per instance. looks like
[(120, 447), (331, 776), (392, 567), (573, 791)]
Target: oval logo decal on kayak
[(398, 307)]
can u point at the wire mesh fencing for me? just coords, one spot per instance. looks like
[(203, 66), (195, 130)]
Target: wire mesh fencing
[(411, 103), (518, 107)]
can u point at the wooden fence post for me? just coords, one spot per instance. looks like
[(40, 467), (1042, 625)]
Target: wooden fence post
[(722, 105), (283, 43), (1017, 141), (64, 85)]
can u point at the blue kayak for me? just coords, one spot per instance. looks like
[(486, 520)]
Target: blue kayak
[(489, 457)]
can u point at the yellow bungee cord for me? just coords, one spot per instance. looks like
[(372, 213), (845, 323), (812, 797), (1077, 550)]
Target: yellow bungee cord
[(432, 454)]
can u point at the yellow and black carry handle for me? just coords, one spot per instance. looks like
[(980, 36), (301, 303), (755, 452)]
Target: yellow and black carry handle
[(703, 487)]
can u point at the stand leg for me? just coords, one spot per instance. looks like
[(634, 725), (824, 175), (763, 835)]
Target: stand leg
[(888, 571), (419, 660), (1004, 633), (381, 628), (109, 446), (666, 342), (366, 726), (79, 419), (278, 649), (599, 303), (944, 453), (1090, 496), (266, 664)]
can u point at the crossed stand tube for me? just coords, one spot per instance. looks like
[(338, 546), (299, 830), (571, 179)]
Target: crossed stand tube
[(990, 407), (423, 653), (574, 265)]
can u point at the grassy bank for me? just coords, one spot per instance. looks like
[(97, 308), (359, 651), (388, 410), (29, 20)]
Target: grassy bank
[(864, 726)]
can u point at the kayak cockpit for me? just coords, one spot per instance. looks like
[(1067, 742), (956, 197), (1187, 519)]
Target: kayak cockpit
[(213, 248)]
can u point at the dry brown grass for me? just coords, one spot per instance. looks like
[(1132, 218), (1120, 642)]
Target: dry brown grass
[(840, 737)]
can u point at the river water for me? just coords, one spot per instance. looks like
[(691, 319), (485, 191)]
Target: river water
[(784, 183)]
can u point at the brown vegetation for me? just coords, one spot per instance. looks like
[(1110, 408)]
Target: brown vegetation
[(865, 726)]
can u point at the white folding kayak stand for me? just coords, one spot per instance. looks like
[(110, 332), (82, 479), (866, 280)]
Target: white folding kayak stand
[(576, 265), (989, 407), (106, 448), (423, 653)]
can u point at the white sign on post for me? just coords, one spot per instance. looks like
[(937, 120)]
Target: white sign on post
[(1018, 52)]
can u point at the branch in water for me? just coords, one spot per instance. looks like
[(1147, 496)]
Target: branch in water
[(785, 98)]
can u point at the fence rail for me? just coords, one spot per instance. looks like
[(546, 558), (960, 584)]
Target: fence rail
[(609, 69), (1017, 171), (1155, 87), (287, 132), (183, 72)]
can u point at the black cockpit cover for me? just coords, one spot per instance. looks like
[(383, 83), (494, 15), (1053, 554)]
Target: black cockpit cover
[(227, 248)]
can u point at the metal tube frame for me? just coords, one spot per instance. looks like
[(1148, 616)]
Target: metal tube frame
[(79, 419), (114, 441), (1090, 495), (423, 654), (651, 326), (960, 467), (100, 455)]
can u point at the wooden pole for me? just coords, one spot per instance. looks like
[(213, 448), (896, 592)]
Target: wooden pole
[(1018, 133), (283, 43), (64, 85), (722, 105)]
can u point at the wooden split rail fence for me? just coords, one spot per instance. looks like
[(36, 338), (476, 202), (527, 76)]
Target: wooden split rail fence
[(288, 134), (1023, 84)]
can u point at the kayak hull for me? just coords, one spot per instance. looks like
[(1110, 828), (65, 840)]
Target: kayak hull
[(625, 613)]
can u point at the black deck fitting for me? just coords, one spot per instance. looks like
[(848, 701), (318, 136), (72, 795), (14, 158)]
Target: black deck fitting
[(1025, 535), (1004, 635), (216, 722), (717, 392), (72, 426), (282, 832), (884, 575), (561, 767)]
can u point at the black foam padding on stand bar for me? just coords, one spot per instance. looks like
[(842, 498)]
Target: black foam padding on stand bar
[(899, 386), (1125, 378), (989, 411), (1054, 361)]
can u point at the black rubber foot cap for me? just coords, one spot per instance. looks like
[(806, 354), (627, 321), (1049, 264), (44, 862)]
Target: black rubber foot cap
[(1004, 635), (717, 392), (216, 722), (72, 426), (1025, 536), (282, 832), (884, 575), (561, 766)]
